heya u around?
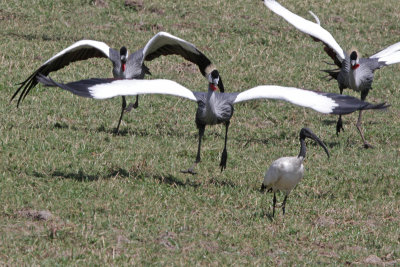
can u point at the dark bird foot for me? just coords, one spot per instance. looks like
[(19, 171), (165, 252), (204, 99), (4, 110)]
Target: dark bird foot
[(367, 145), (129, 107), (263, 188), (136, 105), (339, 126), (224, 158), (116, 131), (190, 171)]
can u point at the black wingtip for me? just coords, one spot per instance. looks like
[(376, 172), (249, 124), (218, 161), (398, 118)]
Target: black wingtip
[(377, 106), (16, 92)]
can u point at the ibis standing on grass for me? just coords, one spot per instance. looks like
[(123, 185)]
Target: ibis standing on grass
[(213, 107), (125, 66), (286, 172), (353, 71)]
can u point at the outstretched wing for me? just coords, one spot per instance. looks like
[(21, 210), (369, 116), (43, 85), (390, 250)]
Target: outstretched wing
[(80, 50), (163, 44), (107, 88), (319, 34), (389, 55), (322, 102)]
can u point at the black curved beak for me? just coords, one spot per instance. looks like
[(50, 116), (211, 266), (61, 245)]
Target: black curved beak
[(308, 133), (221, 85)]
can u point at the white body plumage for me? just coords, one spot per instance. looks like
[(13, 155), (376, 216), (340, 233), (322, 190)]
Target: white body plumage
[(284, 174)]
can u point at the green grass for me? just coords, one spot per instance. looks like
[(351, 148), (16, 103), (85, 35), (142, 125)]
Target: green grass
[(122, 200)]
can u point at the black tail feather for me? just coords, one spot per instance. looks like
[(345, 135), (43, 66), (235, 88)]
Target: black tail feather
[(332, 73)]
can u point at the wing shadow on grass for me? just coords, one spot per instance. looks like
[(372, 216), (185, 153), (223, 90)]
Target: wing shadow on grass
[(81, 176), (131, 131), (329, 122), (347, 123), (173, 181), (223, 183), (43, 37), (263, 214)]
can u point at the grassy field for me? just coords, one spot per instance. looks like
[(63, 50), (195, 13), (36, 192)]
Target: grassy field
[(122, 200)]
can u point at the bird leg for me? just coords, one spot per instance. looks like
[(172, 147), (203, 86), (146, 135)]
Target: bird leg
[(136, 105), (198, 159), (339, 124), (273, 205), (284, 204), (122, 114), (130, 106), (358, 125), (224, 155)]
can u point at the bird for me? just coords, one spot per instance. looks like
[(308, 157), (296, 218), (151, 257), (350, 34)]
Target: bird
[(286, 172), (353, 72), (213, 107), (125, 65)]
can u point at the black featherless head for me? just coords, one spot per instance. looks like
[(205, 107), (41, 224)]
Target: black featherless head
[(307, 133), (216, 79), (123, 52), (353, 55)]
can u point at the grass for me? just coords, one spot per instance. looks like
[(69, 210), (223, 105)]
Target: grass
[(120, 200)]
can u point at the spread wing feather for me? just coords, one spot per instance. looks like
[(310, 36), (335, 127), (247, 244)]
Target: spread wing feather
[(107, 88), (317, 33), (329, 103), (80, 50)]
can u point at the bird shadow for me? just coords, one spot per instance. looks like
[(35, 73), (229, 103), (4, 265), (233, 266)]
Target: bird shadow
[(142, 132), (329, 122), (263, 141), (263, 214), (43, 37), (113, 131), (222, 183), (82, 176), (174, 181)]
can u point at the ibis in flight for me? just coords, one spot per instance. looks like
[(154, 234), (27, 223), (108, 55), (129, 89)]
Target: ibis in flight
[(125, 65), (213, 107), (353, 71), (286, 172)]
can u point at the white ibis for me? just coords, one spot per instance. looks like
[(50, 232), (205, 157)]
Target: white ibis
[(353, 72), (214, 108), (125, 66), (286, 172)]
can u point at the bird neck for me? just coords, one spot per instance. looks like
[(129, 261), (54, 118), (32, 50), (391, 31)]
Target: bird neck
[(302, 149), (212, 87), (211, 91)]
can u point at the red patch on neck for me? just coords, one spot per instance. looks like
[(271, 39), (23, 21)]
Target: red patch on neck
[(355, 66), (123, 67), (213, 87)]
